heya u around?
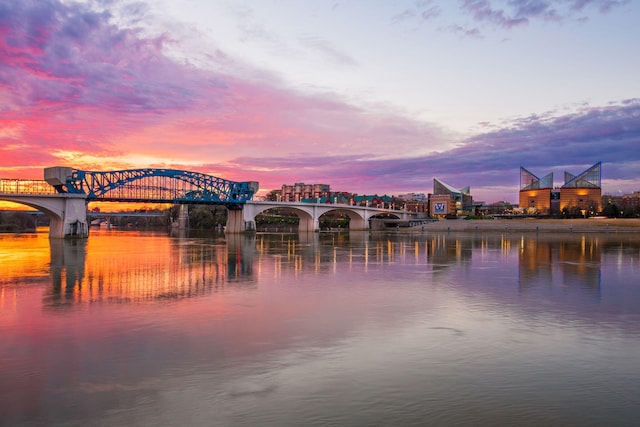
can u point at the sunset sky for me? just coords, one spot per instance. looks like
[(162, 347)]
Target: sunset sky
[(369, 96)]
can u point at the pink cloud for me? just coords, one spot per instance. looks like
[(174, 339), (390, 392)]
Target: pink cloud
[(77, 82), (79, 90)]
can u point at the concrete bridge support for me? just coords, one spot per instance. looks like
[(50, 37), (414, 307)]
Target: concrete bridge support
[(67, 213), (72, 223), (240, 220), (308, 224)]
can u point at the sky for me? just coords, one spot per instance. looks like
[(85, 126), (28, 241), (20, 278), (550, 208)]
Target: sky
[(368, 96)]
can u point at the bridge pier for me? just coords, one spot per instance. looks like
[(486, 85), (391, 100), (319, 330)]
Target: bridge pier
[(308, 224), (71, 221), (240, 221)]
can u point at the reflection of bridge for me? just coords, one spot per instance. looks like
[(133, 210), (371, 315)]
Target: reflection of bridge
[(64, 194)]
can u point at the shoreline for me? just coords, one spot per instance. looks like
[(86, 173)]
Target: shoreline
[(536, 225)]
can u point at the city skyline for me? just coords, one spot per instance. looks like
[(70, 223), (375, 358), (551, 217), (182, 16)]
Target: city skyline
[(368, 97)]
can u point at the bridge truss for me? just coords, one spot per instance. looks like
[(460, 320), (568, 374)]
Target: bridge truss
[(157, 186)]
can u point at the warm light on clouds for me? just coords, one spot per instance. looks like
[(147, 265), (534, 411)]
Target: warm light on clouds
[(274, 95)]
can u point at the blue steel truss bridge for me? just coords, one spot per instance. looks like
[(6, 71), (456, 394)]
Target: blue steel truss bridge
[(150, 185), (64, 193)]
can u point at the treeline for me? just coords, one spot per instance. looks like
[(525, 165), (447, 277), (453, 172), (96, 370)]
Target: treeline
[(209, 217), (610, 210), (133, 221), (17, 222), (201, 217), (614, 211)]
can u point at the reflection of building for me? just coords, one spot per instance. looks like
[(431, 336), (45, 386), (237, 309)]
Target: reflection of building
[(562, 263), (449, 201), (582, 192)]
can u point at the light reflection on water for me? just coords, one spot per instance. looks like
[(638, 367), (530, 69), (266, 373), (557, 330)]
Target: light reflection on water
[(141, 328)]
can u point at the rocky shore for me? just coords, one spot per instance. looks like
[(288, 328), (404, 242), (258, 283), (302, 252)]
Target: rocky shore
[(581, 225)]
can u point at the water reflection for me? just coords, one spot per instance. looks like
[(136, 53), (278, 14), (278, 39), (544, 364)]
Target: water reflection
[(134, 268), (319, 328), (67, 270), (109, 268), (562, 263)]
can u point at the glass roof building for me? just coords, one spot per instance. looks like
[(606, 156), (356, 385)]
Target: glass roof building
[(583, 191), (580, 192), (535, 193)]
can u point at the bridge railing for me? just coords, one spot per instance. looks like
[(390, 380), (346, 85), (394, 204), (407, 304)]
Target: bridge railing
[(25, 186)]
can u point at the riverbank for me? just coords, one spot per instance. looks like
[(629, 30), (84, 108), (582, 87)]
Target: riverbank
[(579, 225)]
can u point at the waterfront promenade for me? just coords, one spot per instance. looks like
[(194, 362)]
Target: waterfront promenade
[(578, 225)]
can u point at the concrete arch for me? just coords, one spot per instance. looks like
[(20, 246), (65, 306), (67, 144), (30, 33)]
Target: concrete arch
[(67, 214), (241, 220), (305, 216), (356, 219)]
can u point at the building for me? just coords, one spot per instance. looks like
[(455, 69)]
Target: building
[(535, 193), (374, 201), (581, 193), (447, 201), (300, 191), (630, 204), (416, 203), (331, 197), (413, 197)]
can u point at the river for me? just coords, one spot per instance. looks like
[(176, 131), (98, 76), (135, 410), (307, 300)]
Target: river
[(323, 329)]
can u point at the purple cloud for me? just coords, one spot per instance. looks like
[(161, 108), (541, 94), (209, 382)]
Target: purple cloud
[(603, 6), (482, 11), (54, 54), (74, 81), (489, 162), (516, 13)]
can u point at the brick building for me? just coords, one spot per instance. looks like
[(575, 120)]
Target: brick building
[(447, 201)]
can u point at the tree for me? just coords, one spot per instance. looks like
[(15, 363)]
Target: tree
[(611, 210)]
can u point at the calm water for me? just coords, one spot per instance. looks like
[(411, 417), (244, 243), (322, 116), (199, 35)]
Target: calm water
[(145, 329)]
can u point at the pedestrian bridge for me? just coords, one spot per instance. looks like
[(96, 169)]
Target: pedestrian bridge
[(65, 192)]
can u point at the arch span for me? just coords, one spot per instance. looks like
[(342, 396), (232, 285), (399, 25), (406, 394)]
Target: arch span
[(356, 219), (309, 213), (150, 185)]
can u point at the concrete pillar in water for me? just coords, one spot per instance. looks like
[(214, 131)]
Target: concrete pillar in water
[(71, 219)]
